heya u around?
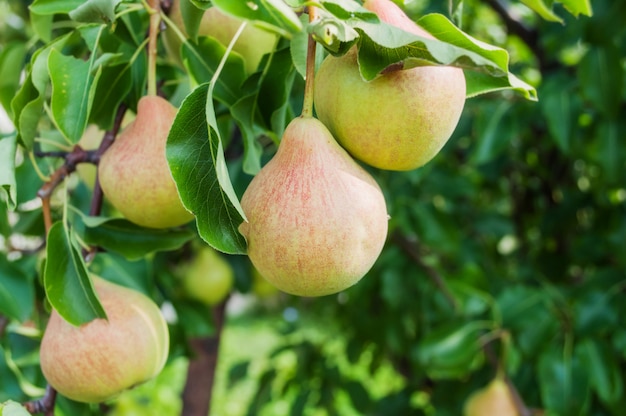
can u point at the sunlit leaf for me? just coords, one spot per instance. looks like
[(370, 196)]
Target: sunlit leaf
[(543, 10), (73, 88), (195, 155), (54, 6)]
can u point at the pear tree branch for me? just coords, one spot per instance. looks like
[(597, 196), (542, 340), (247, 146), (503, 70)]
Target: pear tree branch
[(197, 394), (414, 250), (45, 405)]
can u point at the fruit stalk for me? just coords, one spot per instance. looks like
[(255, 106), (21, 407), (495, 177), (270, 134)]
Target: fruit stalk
[(155, 21), (307, 105)]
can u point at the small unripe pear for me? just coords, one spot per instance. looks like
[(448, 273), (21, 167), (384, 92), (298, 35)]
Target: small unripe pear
[(134, 173), (317, 221), (493, 400), (208, 277), (100, 359), (401, 119)]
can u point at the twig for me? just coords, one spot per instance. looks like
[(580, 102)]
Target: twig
[(413, 250), (201, 372), (4, 322), (44, 405)]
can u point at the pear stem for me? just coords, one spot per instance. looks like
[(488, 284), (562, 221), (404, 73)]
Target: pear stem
[(154, 10), (307, 105)]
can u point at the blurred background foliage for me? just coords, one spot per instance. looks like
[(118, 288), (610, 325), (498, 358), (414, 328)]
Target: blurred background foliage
[(507, 251)]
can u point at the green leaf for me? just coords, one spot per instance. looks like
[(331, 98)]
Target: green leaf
[(578, 7), (16, 291), (237, 372), (273, 15), (66, 280), (45, 7), (130, 240), (202, 60), (27, 107), (275, 90), (603, 368), (9, 384), (563, 382), (11, 62), (491, 139), (192, 16), (8, 185), (73, 88), (136, 274), (246, 113), (42, 25), (196, 159), (113, 86), (383, 46), (451, 350), (601, 78), (96, 11), (543, 10), (557, 108)]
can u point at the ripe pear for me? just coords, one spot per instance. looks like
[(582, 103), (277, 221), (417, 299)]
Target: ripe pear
[(252, 44), (493, 400), (208, 278), (317, 221), (134, 173), (100, 359), (401, 119)]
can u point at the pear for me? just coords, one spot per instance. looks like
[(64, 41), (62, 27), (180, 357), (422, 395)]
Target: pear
[(401, 119), (134, 173), (252, 44), (493, 400), (100, 359), (317, 221), (208, 277)]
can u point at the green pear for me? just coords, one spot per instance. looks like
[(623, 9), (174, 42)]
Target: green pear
[(252, 44), (261, 288), (96, 361), (208, 278), (493, 400), (317, 221), (401, 119), (134, 173)]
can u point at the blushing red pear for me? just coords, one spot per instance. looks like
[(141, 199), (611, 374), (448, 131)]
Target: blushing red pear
[(317, 221), (134, 173)]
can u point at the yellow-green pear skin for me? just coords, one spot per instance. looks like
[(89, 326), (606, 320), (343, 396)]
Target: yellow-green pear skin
[(252, 44), (95, 362), (493, 400), (401, 119), (134, 173), (317, 221), (208, 278)]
